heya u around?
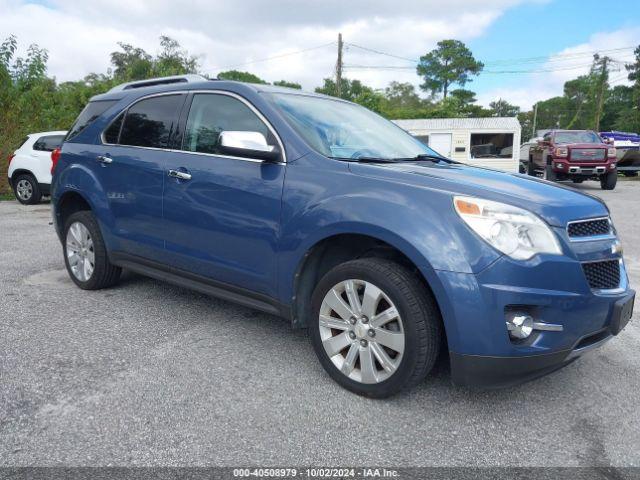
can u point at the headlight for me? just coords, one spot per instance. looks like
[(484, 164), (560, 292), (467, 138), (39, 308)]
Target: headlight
[(512, 230)]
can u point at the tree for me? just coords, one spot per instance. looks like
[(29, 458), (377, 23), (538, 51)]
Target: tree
[(354, 91), (502, 108), (239, 76), (132, 63), (173, 60), (632, 115), (284, 83), (450, 63)]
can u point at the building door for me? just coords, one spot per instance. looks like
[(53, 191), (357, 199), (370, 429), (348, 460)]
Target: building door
[(441, 143)]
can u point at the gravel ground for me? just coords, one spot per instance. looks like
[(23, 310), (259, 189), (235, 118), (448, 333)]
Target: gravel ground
[(150, 374)]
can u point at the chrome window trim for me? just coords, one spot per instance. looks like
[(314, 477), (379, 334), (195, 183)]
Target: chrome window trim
[(592, 238), (212, 92)]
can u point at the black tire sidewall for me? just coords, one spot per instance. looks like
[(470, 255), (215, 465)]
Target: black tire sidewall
[(36, 196), (609, 181), (353, 270)]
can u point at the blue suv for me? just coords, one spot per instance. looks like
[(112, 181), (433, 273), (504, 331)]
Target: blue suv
[(322, 212)]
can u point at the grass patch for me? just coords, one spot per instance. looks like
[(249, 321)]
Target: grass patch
[(7, 196)]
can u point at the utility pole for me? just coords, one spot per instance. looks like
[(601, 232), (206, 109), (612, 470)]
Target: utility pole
[(339, 68), (600, 94), (535, 119)]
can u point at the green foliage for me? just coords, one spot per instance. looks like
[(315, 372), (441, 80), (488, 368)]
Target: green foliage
[(502, 108), (450, 63), (239, 76), (284, 83), (354, 91)]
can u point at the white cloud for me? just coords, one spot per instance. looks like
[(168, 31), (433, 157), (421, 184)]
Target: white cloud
[(567, 64), (80, 34)]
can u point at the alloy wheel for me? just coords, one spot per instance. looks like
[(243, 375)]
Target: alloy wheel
[(361, 331), (80, 251), (24, 190)]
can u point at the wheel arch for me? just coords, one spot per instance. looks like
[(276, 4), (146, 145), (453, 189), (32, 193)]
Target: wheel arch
[(66, 205), (331, 250)]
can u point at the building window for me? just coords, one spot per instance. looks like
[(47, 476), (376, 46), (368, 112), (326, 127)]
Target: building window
[(492, 145), (424, 139)]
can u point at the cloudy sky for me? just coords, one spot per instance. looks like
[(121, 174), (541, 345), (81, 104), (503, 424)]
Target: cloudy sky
[(530, 47)]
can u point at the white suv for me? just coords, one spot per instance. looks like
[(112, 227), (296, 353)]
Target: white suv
[(30, 166)]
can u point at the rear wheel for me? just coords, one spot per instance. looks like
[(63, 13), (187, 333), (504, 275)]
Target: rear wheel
[(630, 174), (26, 189), (577, 180), (85, 254), (608, 180), (377, 329)]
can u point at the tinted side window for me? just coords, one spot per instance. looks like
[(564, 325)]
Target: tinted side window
[(211, 114), (112, 133), (92, 111), (48, 143), (148, 123)]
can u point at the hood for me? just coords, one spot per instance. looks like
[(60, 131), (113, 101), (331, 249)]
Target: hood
[(554, 203)]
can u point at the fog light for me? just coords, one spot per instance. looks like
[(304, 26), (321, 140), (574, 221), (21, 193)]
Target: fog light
[(520, 326)]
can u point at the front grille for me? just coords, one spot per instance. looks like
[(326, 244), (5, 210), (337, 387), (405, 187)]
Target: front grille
[(588, 154), (602, 275), (589, 228)]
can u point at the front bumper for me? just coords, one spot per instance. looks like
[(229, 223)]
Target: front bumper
[(494, 372), (563, 165), (552, 289)]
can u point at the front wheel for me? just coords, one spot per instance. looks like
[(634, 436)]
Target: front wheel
[(85, 254), (608, 180), (376, 328)]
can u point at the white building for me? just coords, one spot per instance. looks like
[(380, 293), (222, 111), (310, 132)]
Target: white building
[(487, 142)]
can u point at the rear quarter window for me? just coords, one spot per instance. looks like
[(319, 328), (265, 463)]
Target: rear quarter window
[(48, 143), (92, 111)]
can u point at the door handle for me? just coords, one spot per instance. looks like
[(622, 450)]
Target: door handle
[(179, 174), (104, 160)]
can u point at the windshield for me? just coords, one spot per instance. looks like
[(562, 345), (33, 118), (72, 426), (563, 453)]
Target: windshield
[(343, 130), (577, 137)]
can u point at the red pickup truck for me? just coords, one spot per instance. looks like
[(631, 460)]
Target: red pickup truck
[(576, 155)]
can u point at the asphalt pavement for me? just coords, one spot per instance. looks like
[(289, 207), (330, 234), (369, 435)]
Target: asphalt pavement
[(147, 373)]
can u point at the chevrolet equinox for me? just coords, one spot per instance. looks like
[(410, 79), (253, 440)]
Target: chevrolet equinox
[(322, 212)]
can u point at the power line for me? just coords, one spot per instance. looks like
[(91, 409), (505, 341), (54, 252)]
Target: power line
[(275, 56), (373, 50)]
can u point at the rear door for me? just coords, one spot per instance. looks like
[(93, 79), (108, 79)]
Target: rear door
[(223, 222), (130, 165), (41, 151)]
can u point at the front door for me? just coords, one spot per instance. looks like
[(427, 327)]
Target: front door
[(222, 218)]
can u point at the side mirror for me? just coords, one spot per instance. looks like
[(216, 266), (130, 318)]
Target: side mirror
[(248, 145)]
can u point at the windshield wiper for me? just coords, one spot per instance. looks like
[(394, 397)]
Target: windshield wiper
[(425, 156), (367, 159)]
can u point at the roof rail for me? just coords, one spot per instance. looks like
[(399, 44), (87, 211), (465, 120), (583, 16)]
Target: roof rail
[(151, 82)]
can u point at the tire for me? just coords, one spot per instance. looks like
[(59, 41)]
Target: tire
[(102, 273), (26, 189), (608, 180), (417, 321), (549, 174), (531, 167), (577, 180), (630, 174)]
